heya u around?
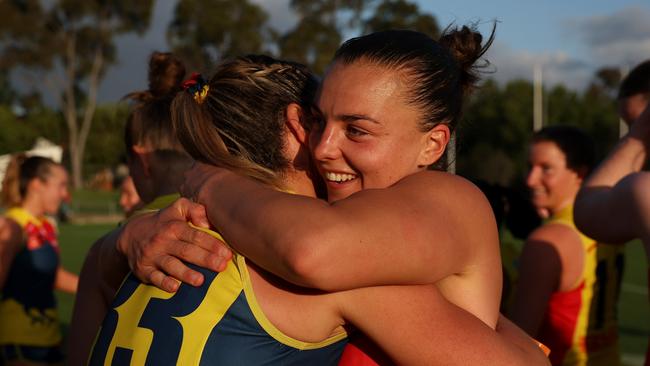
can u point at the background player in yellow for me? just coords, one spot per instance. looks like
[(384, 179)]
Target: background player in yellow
[(569, 284)]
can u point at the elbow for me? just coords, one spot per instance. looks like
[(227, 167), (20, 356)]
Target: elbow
[(307, 262)]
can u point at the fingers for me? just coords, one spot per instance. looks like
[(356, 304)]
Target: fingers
[(162, 281), (177, 270), (198, 215), (201, 249), (185, 210)]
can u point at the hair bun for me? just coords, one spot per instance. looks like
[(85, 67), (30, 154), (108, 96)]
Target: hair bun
[(465, 47), (166, 73)]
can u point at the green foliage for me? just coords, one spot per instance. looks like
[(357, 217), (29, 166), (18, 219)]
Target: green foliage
[(76, 36), (106, 140), (205, 31), (497, 126), (401, 14), (19, 134), (312, 42)]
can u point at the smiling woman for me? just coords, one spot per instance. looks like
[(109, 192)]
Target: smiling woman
[(568, 285), (30, 269)]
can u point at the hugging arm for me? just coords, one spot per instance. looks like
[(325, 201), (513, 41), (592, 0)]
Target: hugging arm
[(416, 325), (366, 239)]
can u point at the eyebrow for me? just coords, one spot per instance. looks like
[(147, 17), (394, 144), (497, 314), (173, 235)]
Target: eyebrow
[(354, 117), (346, 117)]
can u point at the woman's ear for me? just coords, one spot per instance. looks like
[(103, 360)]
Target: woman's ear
[(296, 122), (142, 155), (582, 172), (434, 144)]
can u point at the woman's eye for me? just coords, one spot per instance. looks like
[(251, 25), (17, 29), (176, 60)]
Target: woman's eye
[(354, 131)]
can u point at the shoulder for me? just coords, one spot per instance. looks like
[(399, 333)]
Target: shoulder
[(451, 193), (556, 235), (443, 187), (557, 246)]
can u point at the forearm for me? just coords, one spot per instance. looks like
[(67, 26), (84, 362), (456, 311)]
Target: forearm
[(365, 240), (264, 224), (66, 281), (415, 325), (627, 157)]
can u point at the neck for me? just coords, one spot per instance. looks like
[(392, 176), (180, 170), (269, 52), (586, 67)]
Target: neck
[(31, 205), (169, 177), (562, 206)]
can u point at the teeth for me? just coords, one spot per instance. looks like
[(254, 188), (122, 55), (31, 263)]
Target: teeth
[(336, 177)]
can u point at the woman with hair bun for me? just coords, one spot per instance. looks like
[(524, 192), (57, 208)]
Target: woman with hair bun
[(156, 161), (383, 116), (30, 269)]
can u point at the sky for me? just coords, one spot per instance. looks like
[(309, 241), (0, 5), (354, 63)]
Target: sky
[(568, 39)]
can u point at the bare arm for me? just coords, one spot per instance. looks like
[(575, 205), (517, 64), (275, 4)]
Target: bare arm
[(540, 274), (617, 186), (66, 281), (10, 241), (98, 282), (415, 325), (378, 236)]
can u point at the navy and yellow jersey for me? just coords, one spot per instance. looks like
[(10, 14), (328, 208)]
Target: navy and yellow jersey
[(28, 313), (218, 323)]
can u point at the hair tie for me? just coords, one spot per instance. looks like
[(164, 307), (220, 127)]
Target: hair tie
[(197, 86)]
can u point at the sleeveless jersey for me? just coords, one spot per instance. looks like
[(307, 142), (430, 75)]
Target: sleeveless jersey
[(580, 325), (218, 323), (28, 313)]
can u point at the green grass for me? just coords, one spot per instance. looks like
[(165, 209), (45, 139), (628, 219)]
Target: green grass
[(633, 309), (87, 201), (75, 240), (633, 305)]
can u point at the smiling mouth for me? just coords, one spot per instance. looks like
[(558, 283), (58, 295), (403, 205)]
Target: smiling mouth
[(339, 177)]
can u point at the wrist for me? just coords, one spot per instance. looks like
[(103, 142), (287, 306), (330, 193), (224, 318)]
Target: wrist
[(212, 186), (635, 147)]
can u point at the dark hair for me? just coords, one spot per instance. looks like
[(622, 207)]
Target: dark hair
[(240, 123), (150, 119), (577, 146), (441, 73), (20, 171), (636, 82)]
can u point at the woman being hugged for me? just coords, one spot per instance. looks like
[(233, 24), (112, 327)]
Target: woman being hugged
[(30, 267), (156, 161)]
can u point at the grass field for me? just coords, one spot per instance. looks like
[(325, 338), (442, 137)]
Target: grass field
[(634, 313)]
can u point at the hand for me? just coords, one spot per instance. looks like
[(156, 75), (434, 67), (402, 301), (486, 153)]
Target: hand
[(156, 244), (196, 179)]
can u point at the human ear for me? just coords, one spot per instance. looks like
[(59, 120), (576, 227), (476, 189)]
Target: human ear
[(141, 155), (296, 122), (434, 144)]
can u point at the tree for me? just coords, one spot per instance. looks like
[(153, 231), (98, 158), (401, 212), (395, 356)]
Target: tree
[(401, 14), (68, 44), (314, 40), (205, 31)]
